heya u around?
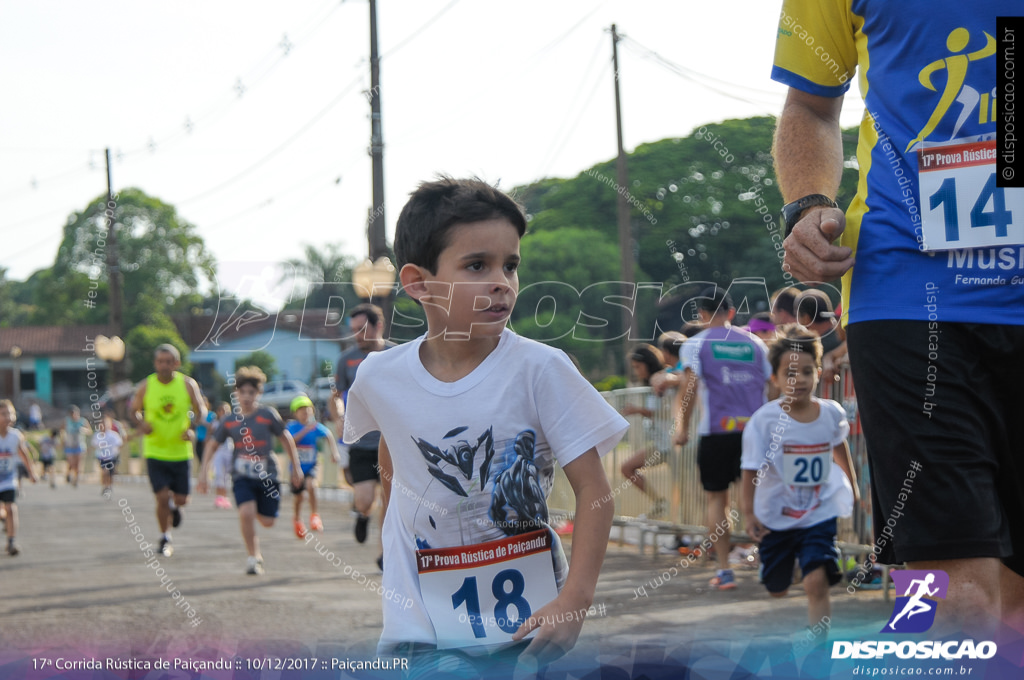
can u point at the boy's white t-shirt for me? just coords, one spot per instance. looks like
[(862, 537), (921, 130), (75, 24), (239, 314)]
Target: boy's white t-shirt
[(800, 486), (525, 401), (107, 444)]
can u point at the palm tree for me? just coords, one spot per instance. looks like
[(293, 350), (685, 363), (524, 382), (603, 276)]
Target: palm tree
[(325, 272)]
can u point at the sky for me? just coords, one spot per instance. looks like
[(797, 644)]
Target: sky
[(252, 117)]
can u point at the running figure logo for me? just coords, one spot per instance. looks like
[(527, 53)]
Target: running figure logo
[(955, 67), (912, 613)]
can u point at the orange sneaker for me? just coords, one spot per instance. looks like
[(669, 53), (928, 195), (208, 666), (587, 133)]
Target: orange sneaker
[(300, 528), (315, 523)]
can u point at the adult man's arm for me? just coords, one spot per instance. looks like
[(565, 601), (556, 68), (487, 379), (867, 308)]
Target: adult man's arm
[(808, 153), (136, 411), (198, 403)]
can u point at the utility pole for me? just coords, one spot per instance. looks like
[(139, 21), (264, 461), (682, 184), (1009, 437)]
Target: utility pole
[(113, 272), (625, 237), (375, 233)]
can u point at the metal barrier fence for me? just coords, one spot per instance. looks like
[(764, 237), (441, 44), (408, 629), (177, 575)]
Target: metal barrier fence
[(675, 476)]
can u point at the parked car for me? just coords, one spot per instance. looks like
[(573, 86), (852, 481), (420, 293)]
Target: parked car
[(279, 393), (321, 394)]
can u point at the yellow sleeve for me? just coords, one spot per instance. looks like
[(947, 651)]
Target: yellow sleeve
[(816, 46)]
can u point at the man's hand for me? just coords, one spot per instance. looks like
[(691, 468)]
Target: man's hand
[(145, 427), (810, 255), (298, 479)]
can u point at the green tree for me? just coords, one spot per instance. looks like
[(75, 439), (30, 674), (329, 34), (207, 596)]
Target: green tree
[(323, 272), (142, 341), (568, 282), (162, 257), (264, 360), (694, 216)]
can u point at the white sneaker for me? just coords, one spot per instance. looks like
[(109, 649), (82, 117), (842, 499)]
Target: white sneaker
[(254, 566)]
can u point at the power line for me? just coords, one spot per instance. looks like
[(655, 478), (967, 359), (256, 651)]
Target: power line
[(418, 32), (254, 76), (550, 157), (284, 145)]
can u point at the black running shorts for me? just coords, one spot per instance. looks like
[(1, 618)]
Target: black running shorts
[(164, 474), (942, 405), (362, 463), (718, 457)]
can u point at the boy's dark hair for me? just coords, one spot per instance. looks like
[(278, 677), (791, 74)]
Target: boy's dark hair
[(650, 357), (792, 337), (435, 207), (670, 343), (714, 299), (373, 313), (250, 375), (784, 298)]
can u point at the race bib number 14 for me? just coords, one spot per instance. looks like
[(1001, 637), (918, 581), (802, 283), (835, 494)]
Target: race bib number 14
[(480, 594), (961, 206)]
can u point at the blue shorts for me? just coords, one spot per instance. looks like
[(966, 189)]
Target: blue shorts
[(265, 492), (310, 473), (814, 546)]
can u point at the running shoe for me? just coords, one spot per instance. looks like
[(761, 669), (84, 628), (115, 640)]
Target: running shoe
[(12, 549), (315, 523), (166, 549), (222, 503), (300, 528), (361, 523), (175, 517), (254, 566), (724, 580)]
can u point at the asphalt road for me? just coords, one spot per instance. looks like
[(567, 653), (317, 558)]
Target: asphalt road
[(83, 589)]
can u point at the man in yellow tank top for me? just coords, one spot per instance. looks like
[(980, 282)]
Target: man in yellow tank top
[(164, 409)]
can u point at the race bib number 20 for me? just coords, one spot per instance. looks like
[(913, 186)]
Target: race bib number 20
[(961, 205), (481, 594), (806, 464)]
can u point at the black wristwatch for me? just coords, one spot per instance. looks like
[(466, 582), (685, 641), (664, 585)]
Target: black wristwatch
[(791, 211)]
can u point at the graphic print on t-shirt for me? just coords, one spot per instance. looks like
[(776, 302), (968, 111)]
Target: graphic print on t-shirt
[(517, 498)]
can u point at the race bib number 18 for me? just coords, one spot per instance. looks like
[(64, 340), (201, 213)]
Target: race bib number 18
[(961, 206), (480, 594)]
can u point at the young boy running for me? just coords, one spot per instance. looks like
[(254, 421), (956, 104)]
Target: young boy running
[(472, 420), (250, 427), (791, 494), (48, 456), (12, 447), (306, 431), (76, 428), (106, 443), (221, 461)]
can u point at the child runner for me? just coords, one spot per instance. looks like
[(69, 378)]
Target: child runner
[(12, 447), (306, 431), (106, 443), (48, 455), (473, 419), (76, 428), (646, 361), (254, 466), (791, 493), (222, 461)]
